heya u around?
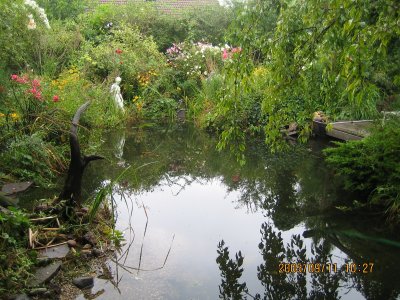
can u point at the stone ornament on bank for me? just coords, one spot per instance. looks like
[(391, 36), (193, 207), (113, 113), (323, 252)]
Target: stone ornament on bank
[(115, 91)]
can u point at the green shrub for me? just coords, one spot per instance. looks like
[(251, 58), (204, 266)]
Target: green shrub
[(125, 53), (372, 165), (56, 48), (73, 90), (63, 9), (191, 25), (15, 261), (30, 157)]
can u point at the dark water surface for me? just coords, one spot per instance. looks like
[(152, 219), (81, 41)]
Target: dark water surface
[(181, 198)]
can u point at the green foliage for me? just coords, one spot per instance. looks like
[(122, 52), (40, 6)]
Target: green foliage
[(63, 9), (125, 53), (16, 39), (191, 25), (30, 157), (55, 48), (104, 192), (74, 89), (13, 227), (372, 165), (336, 56), (15, 262)]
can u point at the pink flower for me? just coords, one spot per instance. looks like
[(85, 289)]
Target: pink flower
[(18, 79), (23, 79), (56, 98), (38, 95), (225, 54), (118, 51), (237, 50), (32, 90), (35, 83)]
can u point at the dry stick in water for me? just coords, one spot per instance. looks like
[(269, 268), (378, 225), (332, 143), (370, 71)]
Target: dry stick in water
[(131, 231), (144, 235), (147, 270)]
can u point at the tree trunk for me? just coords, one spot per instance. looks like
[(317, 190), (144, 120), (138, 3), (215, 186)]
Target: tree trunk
[(73, 184)]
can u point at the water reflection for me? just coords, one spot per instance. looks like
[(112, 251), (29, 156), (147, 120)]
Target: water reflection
[(179, 186), (292, 271)]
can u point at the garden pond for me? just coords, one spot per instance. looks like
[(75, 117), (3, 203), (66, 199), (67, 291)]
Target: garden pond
[(181, 197)]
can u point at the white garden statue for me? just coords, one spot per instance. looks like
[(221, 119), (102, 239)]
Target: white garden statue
[(116, 93)]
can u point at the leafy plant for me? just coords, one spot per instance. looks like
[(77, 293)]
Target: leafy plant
[(29, 157), (372, 165), (15, 262)]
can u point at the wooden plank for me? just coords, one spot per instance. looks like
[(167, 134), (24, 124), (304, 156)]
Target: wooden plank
[(344, 130), (361, 129), (350, 130), (341, 135)]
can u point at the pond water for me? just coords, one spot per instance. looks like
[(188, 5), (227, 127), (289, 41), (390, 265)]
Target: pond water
[(180, 198)]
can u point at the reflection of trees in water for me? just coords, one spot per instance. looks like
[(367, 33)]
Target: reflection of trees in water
[(288, 188), (281, 185), (280, 283)]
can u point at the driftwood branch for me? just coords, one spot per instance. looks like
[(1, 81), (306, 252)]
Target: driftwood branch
[(73, 184)]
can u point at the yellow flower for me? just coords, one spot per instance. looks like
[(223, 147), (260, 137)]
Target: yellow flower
[(260, 71), (14, 116), (139, 106)]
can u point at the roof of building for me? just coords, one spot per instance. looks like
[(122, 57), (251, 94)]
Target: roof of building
[(169, 5)]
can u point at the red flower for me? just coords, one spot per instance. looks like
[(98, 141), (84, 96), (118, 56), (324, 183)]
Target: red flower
[(118, 51), (23, 79), (18, 79), (38, 95), (56, 98), (35, 83)]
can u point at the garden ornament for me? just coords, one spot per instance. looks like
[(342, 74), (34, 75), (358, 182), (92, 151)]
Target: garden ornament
[(116, 93)]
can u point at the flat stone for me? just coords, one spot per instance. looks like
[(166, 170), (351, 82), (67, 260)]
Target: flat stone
[(45, 274), (55, 252), (90, 238), (87, 246), (12, 188), (83, 282), (37, 291), (71, 243), (7, 201), (96, 252), (22, 297)]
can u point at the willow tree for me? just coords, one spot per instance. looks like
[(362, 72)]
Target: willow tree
[(342, 57)]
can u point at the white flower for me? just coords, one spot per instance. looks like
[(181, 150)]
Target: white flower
[(40, 12), (31, 24)]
